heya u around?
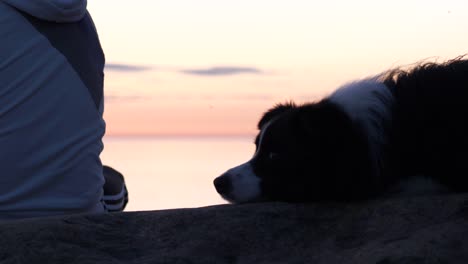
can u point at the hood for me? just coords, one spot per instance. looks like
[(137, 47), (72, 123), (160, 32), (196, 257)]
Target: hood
[(52, 10)]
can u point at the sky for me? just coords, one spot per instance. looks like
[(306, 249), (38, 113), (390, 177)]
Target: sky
[(212, 67)]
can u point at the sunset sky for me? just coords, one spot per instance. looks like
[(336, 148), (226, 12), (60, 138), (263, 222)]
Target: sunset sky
[(212, 67)]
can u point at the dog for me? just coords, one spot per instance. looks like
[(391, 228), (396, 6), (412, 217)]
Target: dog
[(391, 133)]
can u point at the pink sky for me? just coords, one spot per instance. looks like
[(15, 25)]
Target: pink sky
[(212, 67)]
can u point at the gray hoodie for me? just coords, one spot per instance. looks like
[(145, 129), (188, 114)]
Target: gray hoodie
[(51, 106)]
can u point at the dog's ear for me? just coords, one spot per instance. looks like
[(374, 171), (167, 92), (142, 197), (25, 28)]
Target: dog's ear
[(275, 111), (322, 118), (343, 150)]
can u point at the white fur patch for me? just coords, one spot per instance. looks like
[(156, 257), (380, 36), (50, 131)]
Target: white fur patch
[(245, 184), (369, 104)]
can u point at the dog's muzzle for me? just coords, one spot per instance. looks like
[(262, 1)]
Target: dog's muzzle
[(239, 184)]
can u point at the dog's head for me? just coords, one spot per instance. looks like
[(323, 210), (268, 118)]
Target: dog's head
[(303, 153)]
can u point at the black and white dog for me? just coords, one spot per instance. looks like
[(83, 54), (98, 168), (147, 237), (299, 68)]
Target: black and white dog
[(361, 141)]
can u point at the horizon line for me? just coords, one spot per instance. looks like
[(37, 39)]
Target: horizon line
[(178, 135)]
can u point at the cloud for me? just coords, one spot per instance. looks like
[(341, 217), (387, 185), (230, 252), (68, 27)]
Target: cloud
[(222, 71), (208, 71), (127, 98), (126, 67), (251, 97)]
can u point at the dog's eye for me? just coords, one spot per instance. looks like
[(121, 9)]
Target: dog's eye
[(273, 155)]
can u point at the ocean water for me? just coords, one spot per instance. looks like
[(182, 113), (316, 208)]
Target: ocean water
[(174, 172)]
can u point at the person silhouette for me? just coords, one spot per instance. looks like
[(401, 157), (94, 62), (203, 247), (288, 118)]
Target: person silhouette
[(51, 112)]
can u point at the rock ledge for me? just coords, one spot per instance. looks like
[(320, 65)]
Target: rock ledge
[(425, 229)]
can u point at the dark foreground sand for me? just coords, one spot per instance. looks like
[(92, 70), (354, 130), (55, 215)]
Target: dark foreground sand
[(431, 229)]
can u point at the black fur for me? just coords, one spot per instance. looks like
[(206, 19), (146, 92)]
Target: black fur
[(430, 129)]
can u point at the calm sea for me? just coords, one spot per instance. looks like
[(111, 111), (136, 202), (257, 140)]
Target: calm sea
[(174, 172)]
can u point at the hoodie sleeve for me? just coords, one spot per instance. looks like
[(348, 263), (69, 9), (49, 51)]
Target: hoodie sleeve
[(62, 11)]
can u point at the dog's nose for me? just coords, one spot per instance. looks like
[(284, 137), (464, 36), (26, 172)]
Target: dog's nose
[(223, 184)]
